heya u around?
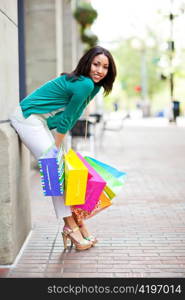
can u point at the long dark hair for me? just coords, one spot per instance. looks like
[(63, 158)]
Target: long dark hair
[(84, 66)]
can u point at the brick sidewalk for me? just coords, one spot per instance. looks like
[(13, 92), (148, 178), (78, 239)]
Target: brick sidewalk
[(141, 235)]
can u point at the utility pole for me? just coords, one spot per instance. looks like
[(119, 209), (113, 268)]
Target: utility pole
[(171, 46), (144, 88)]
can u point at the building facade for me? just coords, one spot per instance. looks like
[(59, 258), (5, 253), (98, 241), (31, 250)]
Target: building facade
[(39, 40)]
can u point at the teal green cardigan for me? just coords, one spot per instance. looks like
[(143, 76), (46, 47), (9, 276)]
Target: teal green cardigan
[(60, 93)]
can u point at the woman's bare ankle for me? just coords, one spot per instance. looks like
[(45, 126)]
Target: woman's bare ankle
[(84, 231), (70, 223)]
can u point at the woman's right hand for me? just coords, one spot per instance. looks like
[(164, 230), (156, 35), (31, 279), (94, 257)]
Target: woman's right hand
[(59, 137)]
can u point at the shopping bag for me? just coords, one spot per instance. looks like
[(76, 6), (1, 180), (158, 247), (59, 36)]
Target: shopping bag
[(94, 188), (51, 167), (115, 172), (76, 175), (114, 183), (103, 202)]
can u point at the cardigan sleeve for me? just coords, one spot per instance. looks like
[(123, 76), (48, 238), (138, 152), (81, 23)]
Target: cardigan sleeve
[(80, 91)]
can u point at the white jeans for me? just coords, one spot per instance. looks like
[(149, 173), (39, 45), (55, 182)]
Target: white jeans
[(35, 134)]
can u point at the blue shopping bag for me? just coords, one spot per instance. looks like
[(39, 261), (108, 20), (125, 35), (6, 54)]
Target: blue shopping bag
[(51, 166)]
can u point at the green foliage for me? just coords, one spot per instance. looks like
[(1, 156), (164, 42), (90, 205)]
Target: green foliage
[(85, 15), (91, 40), (129, 68), (128, 61)]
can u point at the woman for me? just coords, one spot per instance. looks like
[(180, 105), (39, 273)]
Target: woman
[(58, 104)]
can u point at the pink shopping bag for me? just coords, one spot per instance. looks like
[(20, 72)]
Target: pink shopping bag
[(94, 188)]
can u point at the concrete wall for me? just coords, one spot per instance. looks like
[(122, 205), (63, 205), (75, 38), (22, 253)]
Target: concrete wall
[(52, 40), (9, 87), (69, 47), (69, 36), (40, 42), (15, 220), (15, 217)]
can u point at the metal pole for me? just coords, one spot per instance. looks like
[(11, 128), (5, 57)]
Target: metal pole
[(144, 91), (22, 67), (171, 52)]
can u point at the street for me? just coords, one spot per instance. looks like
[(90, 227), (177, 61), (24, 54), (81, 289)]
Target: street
[(142, 234)]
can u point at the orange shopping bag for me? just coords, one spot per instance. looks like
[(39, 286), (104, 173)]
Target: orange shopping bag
[(103, 202)]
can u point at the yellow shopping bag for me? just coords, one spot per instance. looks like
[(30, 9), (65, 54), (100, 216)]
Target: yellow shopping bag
[(76, 175)]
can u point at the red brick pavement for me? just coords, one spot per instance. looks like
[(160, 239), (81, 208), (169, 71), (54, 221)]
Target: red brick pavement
[(141, 235)]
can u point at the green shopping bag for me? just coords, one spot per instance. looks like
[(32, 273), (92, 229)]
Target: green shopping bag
[(115, 172), (114, 183)]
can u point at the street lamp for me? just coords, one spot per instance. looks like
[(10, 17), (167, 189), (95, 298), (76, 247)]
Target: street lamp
[(171, 48)]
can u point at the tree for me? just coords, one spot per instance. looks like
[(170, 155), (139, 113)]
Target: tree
[(128, 61), (85, 15)]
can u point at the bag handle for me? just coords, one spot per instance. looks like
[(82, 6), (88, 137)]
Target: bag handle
[(86, 122)]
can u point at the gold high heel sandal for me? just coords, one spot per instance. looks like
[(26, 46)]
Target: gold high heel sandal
[(66, 234), (90, 238)]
